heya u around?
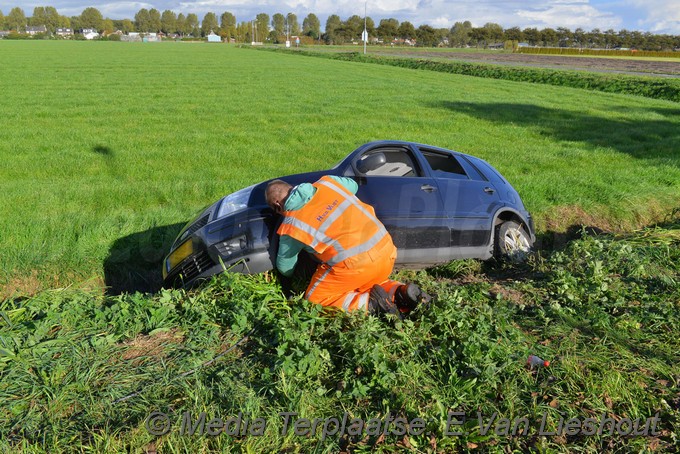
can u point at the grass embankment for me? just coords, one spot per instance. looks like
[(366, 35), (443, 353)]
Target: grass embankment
[(84, 373), (110, 147)]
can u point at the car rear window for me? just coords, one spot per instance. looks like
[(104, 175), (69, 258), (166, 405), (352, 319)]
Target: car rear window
[(444, 165)]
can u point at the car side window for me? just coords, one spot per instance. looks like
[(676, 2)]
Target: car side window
[(444, 165), (388, 162)]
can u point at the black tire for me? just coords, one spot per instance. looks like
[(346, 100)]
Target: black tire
[(512, 242)]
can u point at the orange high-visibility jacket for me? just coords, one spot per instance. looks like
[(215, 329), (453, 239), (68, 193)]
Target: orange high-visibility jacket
[(334, 223)]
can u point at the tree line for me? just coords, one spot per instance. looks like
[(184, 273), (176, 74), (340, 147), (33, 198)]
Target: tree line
[(279, 28)]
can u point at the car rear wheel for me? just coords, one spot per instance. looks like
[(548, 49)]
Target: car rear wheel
[(512, 242)]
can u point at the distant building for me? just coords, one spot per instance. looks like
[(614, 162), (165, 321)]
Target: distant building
[(213, 38), (152, 38), (64, 32), (131, 37), (4, 33), (90, 33), (35, 30)]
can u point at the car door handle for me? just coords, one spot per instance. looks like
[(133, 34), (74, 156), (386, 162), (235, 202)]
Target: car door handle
[(428, 188), (489, 190)]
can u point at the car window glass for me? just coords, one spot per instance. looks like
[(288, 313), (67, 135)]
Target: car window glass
[(397, 162), (444, 165)]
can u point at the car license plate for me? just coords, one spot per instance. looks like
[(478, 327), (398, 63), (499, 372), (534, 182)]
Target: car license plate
[(182, 252)]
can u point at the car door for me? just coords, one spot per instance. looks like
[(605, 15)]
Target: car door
[(406, 200), (469, 199)]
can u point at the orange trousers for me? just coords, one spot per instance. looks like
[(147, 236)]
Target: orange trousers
[(347, 284)]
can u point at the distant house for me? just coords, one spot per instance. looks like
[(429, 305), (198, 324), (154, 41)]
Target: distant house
[(152, 38), (4, 33), (131, 37), (90, 33), (213, 38), (64, 32), (35, 30)]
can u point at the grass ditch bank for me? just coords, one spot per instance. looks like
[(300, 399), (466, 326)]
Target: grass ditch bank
[(604, 310), (648, 87)]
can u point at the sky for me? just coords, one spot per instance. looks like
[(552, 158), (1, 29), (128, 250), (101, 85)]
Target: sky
[(655, 16)]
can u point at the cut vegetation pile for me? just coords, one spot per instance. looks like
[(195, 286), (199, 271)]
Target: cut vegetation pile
[(604, 311)]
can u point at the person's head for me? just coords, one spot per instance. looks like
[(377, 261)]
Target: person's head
[(276, 194)]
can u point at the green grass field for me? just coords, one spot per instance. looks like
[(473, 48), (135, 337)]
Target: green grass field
[(108, 148), (105, 140)]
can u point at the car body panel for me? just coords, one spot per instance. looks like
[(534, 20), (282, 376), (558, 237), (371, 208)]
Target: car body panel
[(433, 215)]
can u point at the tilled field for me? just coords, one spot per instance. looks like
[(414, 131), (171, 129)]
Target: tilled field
[(600, 64)]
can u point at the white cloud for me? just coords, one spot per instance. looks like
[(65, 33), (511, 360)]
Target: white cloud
[(659, 16), (569, 15)]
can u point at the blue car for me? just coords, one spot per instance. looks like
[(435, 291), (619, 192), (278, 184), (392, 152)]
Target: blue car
[(439, 205)]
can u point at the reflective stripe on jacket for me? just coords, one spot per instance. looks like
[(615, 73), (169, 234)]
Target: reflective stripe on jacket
[(334, 223)]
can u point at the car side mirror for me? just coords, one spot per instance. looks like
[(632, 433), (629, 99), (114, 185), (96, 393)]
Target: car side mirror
[(371, 162)]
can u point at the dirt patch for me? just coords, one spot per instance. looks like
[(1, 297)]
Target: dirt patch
[(21, 286), (507, 293), (151, 345), (599, 64)]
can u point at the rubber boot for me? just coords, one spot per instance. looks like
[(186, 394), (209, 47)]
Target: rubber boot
[(409, 296), (379, 302)]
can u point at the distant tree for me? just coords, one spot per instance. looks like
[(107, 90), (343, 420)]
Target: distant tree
[(155, 20), (333, 23), (91, 18), (354, 25), (244, 32), (75, 23), (594, 38), (181, 26), (478, 36), (126, 26), (580, 37), (388, 29), (2, 21), (293, 24), (39, 17), (168, 22), (610, 39), (549, 37), (311, 26), (261, 27), (370, 26), (426, 36), (16, 20), (442, 36), (279, 24), (107, 26), (459, 35), (494, 33), (564, 37), (63, 22), (51, 18), (209, 24), (143, 21), (406, 30), (191, 25), (532, 36), (228, 25), (514, 34)]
